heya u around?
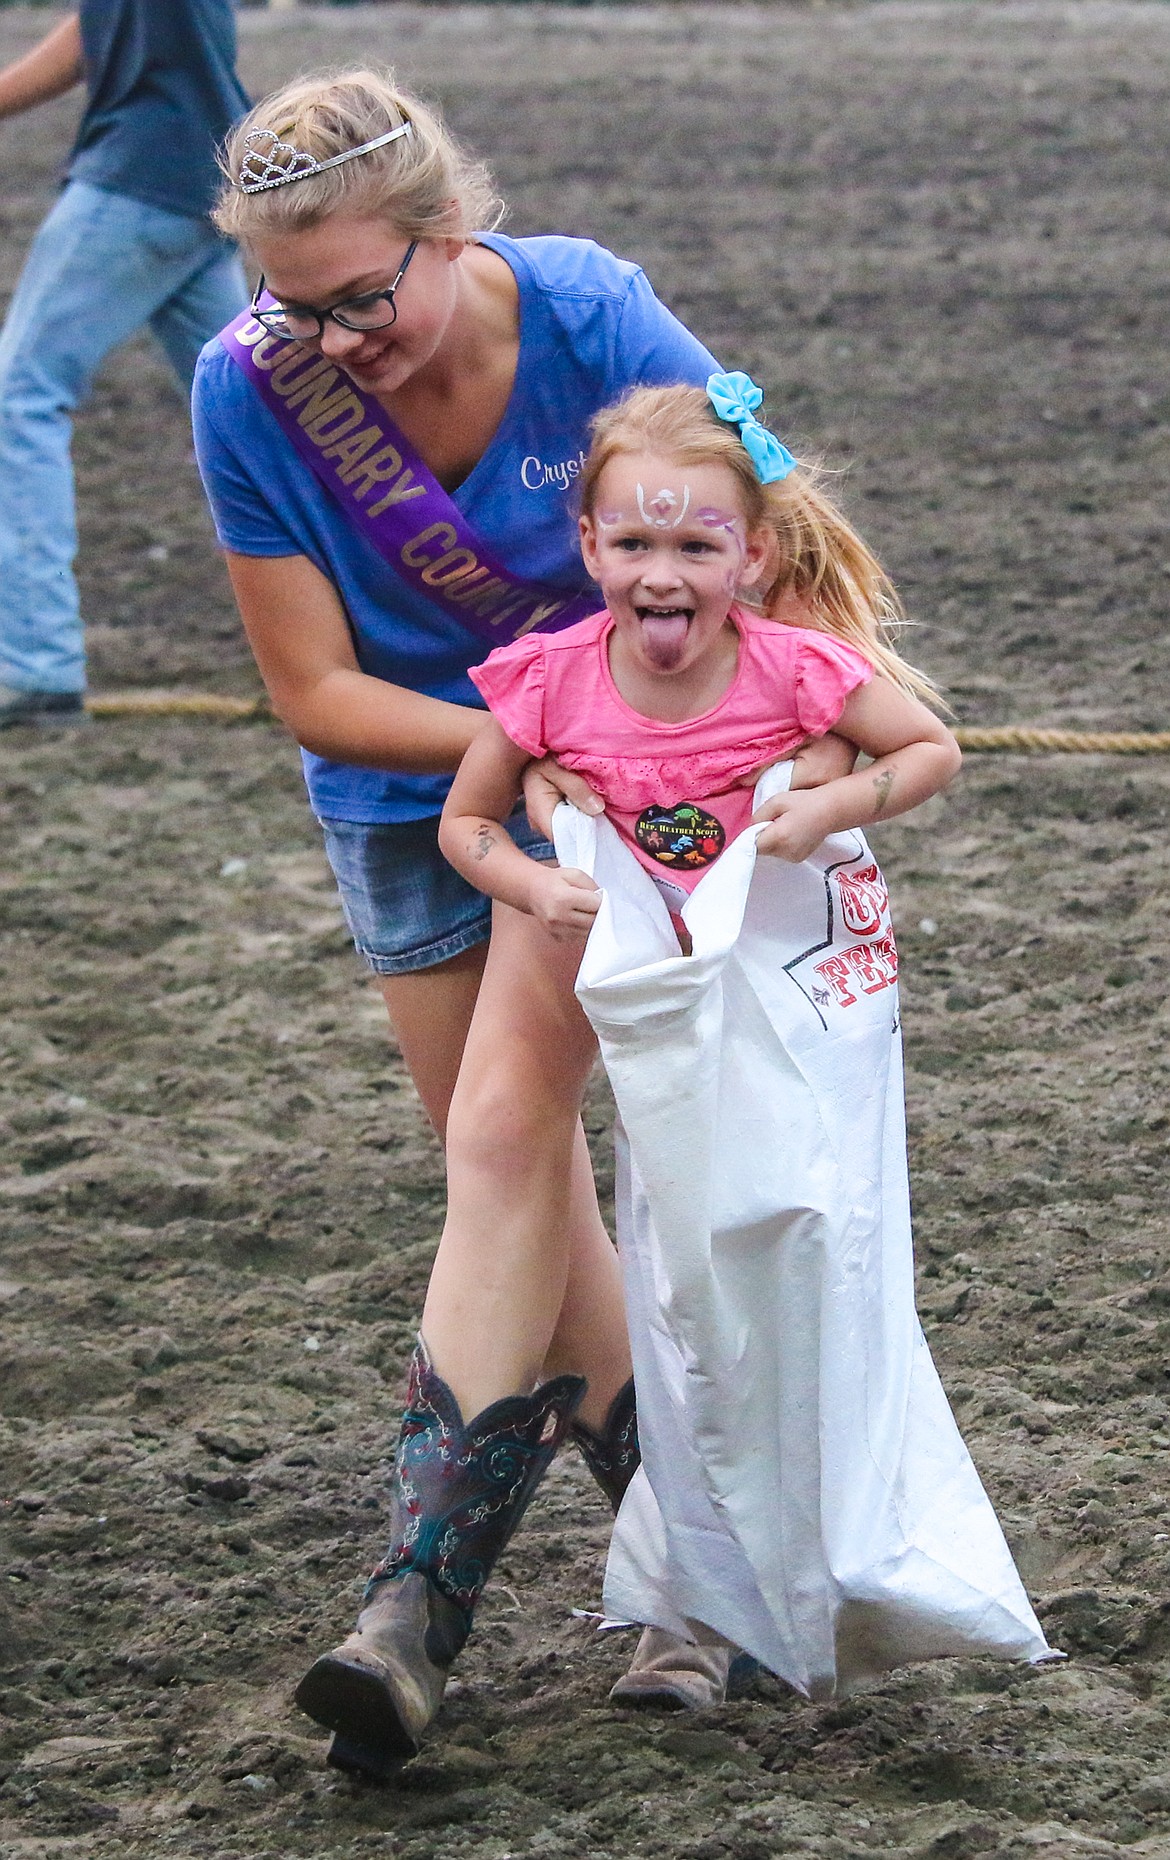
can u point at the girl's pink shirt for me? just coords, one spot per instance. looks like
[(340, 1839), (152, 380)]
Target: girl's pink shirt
[(553, 694)]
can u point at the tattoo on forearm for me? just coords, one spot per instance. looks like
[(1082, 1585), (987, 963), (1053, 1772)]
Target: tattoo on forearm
[(881, 788), (483, 842)]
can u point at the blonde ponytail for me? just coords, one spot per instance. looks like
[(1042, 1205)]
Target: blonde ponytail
[(839, 582)]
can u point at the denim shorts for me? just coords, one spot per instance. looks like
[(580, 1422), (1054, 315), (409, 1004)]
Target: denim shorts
[(406, 908)]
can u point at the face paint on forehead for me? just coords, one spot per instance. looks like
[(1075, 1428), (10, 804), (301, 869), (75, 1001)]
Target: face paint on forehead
[(712, 519), (656, 512), (659, 510)]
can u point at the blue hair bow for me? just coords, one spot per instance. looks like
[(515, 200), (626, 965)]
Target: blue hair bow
[(734, 398)]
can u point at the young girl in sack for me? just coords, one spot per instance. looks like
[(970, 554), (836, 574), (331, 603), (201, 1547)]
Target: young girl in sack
[(676, 693), (815, 1504)]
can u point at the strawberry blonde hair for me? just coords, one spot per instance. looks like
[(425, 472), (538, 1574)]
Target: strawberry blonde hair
[(821, 560)]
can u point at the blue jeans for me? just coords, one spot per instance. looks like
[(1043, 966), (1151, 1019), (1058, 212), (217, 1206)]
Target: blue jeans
[(100, 266)]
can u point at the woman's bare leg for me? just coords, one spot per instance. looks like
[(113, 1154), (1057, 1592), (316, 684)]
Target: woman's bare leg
[(523, 1237), (590, 1338), (430, 1012)]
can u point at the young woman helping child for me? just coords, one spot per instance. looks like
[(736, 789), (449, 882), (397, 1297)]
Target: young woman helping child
[(805, 1494), (388, 436)]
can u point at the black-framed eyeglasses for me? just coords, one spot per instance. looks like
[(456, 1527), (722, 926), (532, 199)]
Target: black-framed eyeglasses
[(301, 323)]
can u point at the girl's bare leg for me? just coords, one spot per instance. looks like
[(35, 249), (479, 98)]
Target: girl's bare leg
[(525, 1271)]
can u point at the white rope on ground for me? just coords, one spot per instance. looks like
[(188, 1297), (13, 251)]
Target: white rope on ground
[(175, 704), (1006, 740), (1016, 737)]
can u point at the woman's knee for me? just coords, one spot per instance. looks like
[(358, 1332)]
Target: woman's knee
[(500, 1123)]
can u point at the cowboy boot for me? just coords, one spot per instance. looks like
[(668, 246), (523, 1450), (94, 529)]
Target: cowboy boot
[(667, 1671), (613, 1455), (679, 1675), (458, 1492)]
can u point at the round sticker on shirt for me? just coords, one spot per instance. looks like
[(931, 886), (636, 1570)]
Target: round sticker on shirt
[(685, 835)]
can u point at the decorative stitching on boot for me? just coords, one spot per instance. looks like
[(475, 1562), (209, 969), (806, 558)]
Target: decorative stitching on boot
[(458, 1492), (613, 1456)]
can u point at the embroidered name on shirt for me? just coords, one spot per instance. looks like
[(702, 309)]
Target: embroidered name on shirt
[(535, 475)]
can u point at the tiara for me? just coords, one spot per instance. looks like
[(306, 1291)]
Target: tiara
[(269, 162)]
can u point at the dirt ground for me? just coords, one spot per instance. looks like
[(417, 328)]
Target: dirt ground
[(938, 232)]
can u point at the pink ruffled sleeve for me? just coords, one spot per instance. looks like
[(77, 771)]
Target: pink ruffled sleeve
[(511, 683), (826, 672)]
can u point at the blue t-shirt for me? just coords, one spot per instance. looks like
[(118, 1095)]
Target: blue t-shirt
[(163, 91), (590, 328)]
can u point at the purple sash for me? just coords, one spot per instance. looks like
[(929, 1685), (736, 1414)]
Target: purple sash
[(355, 449)]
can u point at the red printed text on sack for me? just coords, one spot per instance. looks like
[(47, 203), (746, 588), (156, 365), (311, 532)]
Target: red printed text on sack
[(865, 969), (864, 899)]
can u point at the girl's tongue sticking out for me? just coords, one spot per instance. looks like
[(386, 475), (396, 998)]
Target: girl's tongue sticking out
[(664, 634), (668, 542)]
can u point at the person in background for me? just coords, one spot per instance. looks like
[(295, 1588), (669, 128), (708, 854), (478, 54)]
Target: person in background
[(127, 242)]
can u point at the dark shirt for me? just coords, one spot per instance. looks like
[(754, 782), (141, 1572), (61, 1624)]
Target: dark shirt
[(163, 92)]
